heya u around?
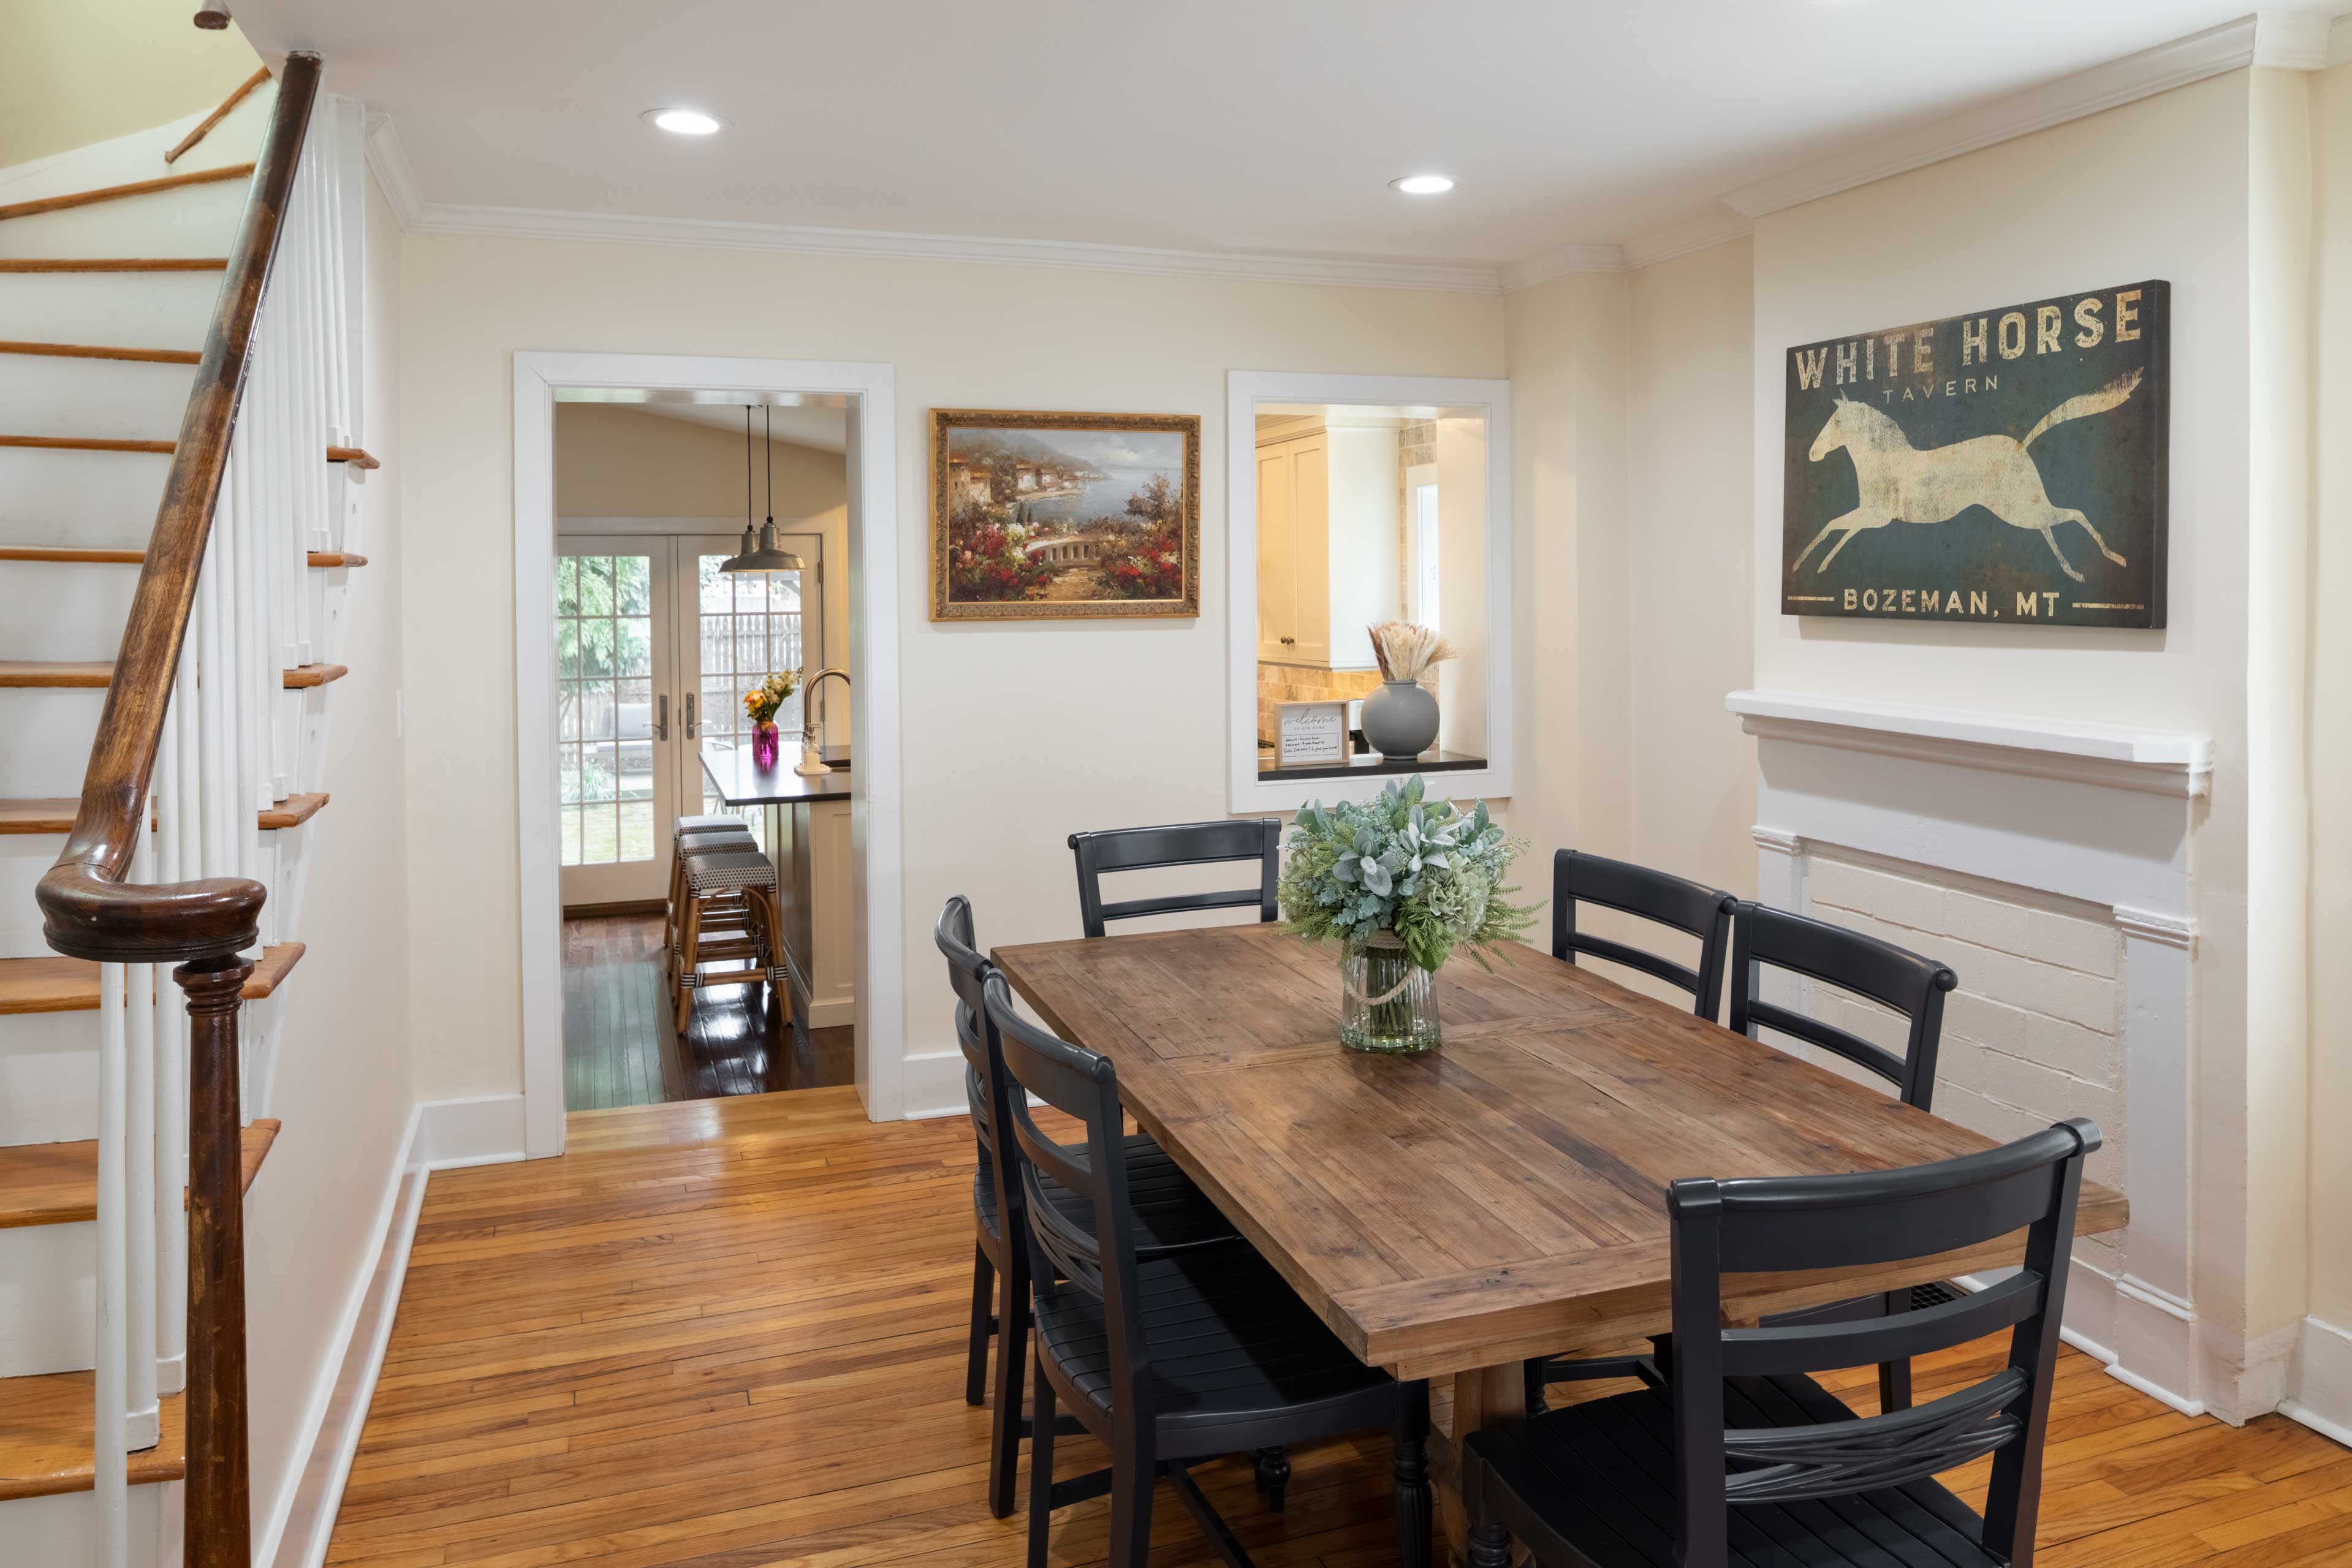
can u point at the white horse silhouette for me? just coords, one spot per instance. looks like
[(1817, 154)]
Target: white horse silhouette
[(1901, 483)]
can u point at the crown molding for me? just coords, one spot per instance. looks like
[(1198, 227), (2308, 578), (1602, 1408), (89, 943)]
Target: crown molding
[(1517, 275), (1680, 239), (399, 182), (389, 162), (2291, 40), (2143, 75)]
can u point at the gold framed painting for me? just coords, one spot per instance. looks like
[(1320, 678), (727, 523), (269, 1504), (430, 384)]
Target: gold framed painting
[(1051, 516)]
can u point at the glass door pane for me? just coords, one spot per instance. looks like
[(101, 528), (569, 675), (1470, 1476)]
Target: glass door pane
[(747, 625)]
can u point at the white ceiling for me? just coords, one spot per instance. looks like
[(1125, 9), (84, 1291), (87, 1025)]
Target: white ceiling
[(1239, 126)]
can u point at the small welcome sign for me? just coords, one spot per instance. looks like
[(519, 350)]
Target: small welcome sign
[(2005, 465)]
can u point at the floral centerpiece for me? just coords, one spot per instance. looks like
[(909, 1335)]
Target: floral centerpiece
[(1399, 882), (761, 705)]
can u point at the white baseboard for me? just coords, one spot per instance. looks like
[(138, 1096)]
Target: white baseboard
[(442, 1134), (2319, 1380), (2103, 1314), (934, 1084), (482, 1131)]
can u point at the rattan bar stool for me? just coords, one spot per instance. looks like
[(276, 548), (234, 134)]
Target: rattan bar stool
[(720, 878)]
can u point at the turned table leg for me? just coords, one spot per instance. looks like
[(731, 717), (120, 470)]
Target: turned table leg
[(1489, 1397)]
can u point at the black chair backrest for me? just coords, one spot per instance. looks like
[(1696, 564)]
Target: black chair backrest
[(1775, 1223), (1094, 1250), (1887, 974), (1690, 907), (984, 1073), (1188, 844)]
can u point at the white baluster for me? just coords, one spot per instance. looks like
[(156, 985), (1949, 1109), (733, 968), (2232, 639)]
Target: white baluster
[(143, 1414), (177, 857), (110, 1446)]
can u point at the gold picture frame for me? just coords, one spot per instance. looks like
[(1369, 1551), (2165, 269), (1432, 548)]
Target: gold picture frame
[(1048, 516)]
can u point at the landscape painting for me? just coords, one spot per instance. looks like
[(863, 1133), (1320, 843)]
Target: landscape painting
[(1054, 515)]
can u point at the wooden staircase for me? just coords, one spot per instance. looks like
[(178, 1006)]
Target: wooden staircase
[(53, 1423)]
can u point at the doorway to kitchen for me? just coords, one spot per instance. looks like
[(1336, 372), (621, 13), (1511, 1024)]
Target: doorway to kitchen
[(679, 630)]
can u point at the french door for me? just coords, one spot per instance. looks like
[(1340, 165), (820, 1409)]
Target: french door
[(656, 648), (615, 671)]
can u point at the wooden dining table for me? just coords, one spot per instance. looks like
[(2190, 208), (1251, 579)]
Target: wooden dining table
[(1452, 1215)]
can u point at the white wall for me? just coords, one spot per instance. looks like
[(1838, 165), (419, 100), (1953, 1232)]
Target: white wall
[(1574, 784), (2330, 707), (75, 72), (342, 1076), (1013, 735), (1690, 499)]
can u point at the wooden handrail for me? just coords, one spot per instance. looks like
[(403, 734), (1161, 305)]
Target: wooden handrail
[(217, 115), (88, 912)]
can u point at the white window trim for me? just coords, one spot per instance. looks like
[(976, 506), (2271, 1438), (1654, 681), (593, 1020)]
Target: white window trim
[(1244, 389), (875, 808)]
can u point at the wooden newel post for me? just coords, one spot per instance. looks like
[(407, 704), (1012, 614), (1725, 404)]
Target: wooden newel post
[(219, 1520)]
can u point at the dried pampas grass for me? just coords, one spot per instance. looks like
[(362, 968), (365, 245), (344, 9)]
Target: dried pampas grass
[(1406, 651)]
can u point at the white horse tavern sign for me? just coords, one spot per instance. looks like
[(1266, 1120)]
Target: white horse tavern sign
[(2004, 465)]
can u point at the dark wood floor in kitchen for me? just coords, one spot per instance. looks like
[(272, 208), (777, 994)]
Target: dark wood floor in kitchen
[(619, 1045)]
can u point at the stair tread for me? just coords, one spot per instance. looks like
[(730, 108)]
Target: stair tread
[(116, 192), (95, 674), (47, 1430), (54, 984), (46, 1422), (56, 814), (293, 812), (96, 554), (114, 264), (56, 1184), (99, 351)]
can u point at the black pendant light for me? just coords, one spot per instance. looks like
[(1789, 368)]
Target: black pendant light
[(759, 551)]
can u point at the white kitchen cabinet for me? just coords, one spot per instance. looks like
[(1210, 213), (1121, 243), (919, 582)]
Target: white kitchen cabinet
[(1330, 540)]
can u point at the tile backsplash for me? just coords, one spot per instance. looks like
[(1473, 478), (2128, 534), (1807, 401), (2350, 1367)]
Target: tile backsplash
[(1279, 684)]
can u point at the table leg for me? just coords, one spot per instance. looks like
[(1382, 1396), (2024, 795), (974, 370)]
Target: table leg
[(1489, 1397)]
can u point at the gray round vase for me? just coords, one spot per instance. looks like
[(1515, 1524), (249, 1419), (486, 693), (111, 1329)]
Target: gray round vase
[(1401, 719)]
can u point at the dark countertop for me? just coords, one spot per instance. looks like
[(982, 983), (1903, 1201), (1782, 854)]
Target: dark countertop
[(739, 783), (1368, 765)]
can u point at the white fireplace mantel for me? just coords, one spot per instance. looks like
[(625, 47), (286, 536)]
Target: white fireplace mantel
[(2099, 813), (2156, 761)]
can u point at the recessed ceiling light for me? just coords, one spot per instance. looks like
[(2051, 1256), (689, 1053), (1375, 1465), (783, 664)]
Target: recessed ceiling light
[(1423, 184), (685, 121)]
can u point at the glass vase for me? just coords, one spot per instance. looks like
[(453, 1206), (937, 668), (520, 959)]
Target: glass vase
[(765, 744), (1388, 1003)]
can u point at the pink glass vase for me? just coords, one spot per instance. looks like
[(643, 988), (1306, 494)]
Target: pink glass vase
[(765, 742)]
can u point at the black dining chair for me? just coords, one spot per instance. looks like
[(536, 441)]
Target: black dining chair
[(1691, 908), (1187, 843), (1170, 1213), (1172, 1359), (1744, 1458), (1893, 977)]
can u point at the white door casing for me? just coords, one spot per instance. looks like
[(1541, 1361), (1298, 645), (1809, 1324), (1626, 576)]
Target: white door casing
[(873, 565)]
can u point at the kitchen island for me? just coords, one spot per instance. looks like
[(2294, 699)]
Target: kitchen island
[(806, 832)]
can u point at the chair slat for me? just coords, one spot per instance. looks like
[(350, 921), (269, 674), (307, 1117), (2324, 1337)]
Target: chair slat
[(1181, 844)]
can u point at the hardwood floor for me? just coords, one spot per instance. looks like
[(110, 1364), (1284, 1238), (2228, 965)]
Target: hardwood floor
[(730, 1332), (620, 1046)]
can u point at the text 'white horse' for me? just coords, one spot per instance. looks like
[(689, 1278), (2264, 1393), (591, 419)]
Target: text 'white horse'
[(1902, 483)]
